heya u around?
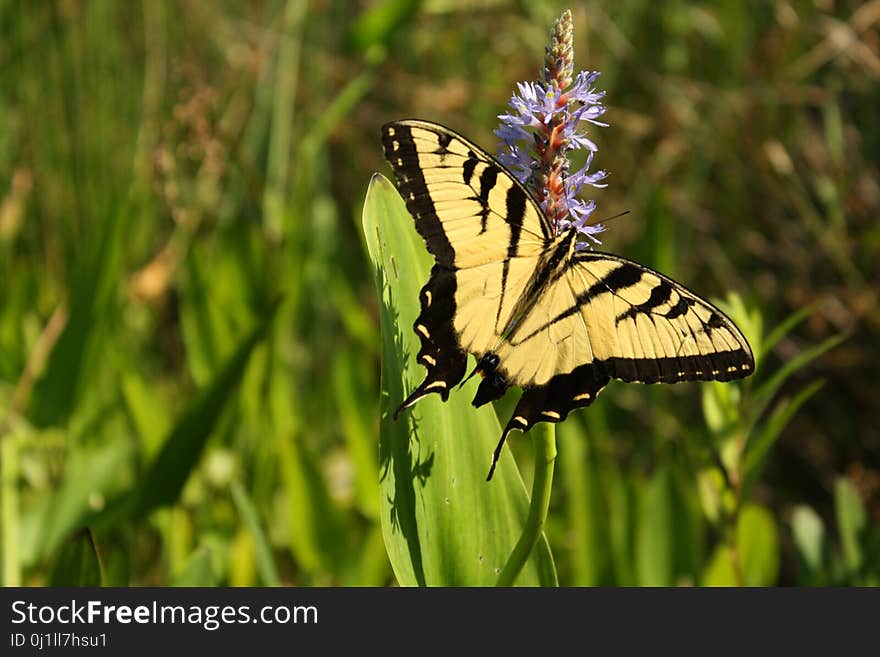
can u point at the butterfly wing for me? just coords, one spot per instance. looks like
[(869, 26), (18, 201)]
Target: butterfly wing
[(609, 317), (651, 329), (466, 206), (485, 232)]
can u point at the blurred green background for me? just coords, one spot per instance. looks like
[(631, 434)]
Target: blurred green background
[(189, 343)]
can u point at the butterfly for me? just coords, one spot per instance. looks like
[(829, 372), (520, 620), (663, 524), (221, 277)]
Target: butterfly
[(533, 309)]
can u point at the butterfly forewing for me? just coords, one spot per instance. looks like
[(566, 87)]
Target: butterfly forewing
[(651, 329), (467, 208)]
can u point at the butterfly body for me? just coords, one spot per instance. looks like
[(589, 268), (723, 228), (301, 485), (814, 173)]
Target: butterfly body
[(534, 310)]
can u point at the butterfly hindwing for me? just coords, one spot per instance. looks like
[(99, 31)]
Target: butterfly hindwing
[(554, 401), (486, 297), (440, 353)]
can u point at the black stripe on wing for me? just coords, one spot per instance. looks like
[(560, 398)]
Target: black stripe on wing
[(660, 294), (516, 209), (488, 179), (440, 354), (619, 278), (717, 365), (402, 154)]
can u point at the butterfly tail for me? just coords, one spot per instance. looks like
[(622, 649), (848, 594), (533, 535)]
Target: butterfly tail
[(553, 402)]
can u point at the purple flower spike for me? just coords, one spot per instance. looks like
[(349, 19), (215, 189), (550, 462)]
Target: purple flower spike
[(546, 122)]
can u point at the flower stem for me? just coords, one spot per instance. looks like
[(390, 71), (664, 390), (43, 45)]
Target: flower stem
[(545, 458)]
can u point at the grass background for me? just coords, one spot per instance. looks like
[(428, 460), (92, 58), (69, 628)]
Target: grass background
[(189, 347)]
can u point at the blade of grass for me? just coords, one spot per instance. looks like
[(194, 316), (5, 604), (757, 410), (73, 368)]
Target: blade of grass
[(757, 546), (315, 528), (165, 477), (763, 395), (198, 570), (378, 24), (579, 477), (655, 546), (78, 563), (9, 520), (758, 447), (786, 327), (851, 522), (89, 473), (356, 413), (265, 562), (57, 389), (284, 104)]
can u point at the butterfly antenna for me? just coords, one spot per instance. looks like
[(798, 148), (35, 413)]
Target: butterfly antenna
[(605, 221)]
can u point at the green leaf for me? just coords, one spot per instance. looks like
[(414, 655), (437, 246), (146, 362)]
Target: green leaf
[(10, 512), (758, 546), (89, 474), (851, 523), (213, 303), (316, 534), (758, 447), (720, 570), (762, 396), (164, 479), (655, 551), (90, 305), (808, 532), (714, 411), (78, 563), (198, 570), (755, 559), (585, 519), (352, 380), (241, 568), (710, 486), (786, 327), (622, 519), (669, 544), (443, 523), (147, 411), (380, 22), (372, 566), (265, 562)]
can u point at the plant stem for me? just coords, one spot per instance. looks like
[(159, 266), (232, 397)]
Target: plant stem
[(287, 69), (11, 567), (545, 458)]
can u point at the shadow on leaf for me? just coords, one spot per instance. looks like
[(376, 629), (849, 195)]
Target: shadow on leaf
[(400, 449)]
